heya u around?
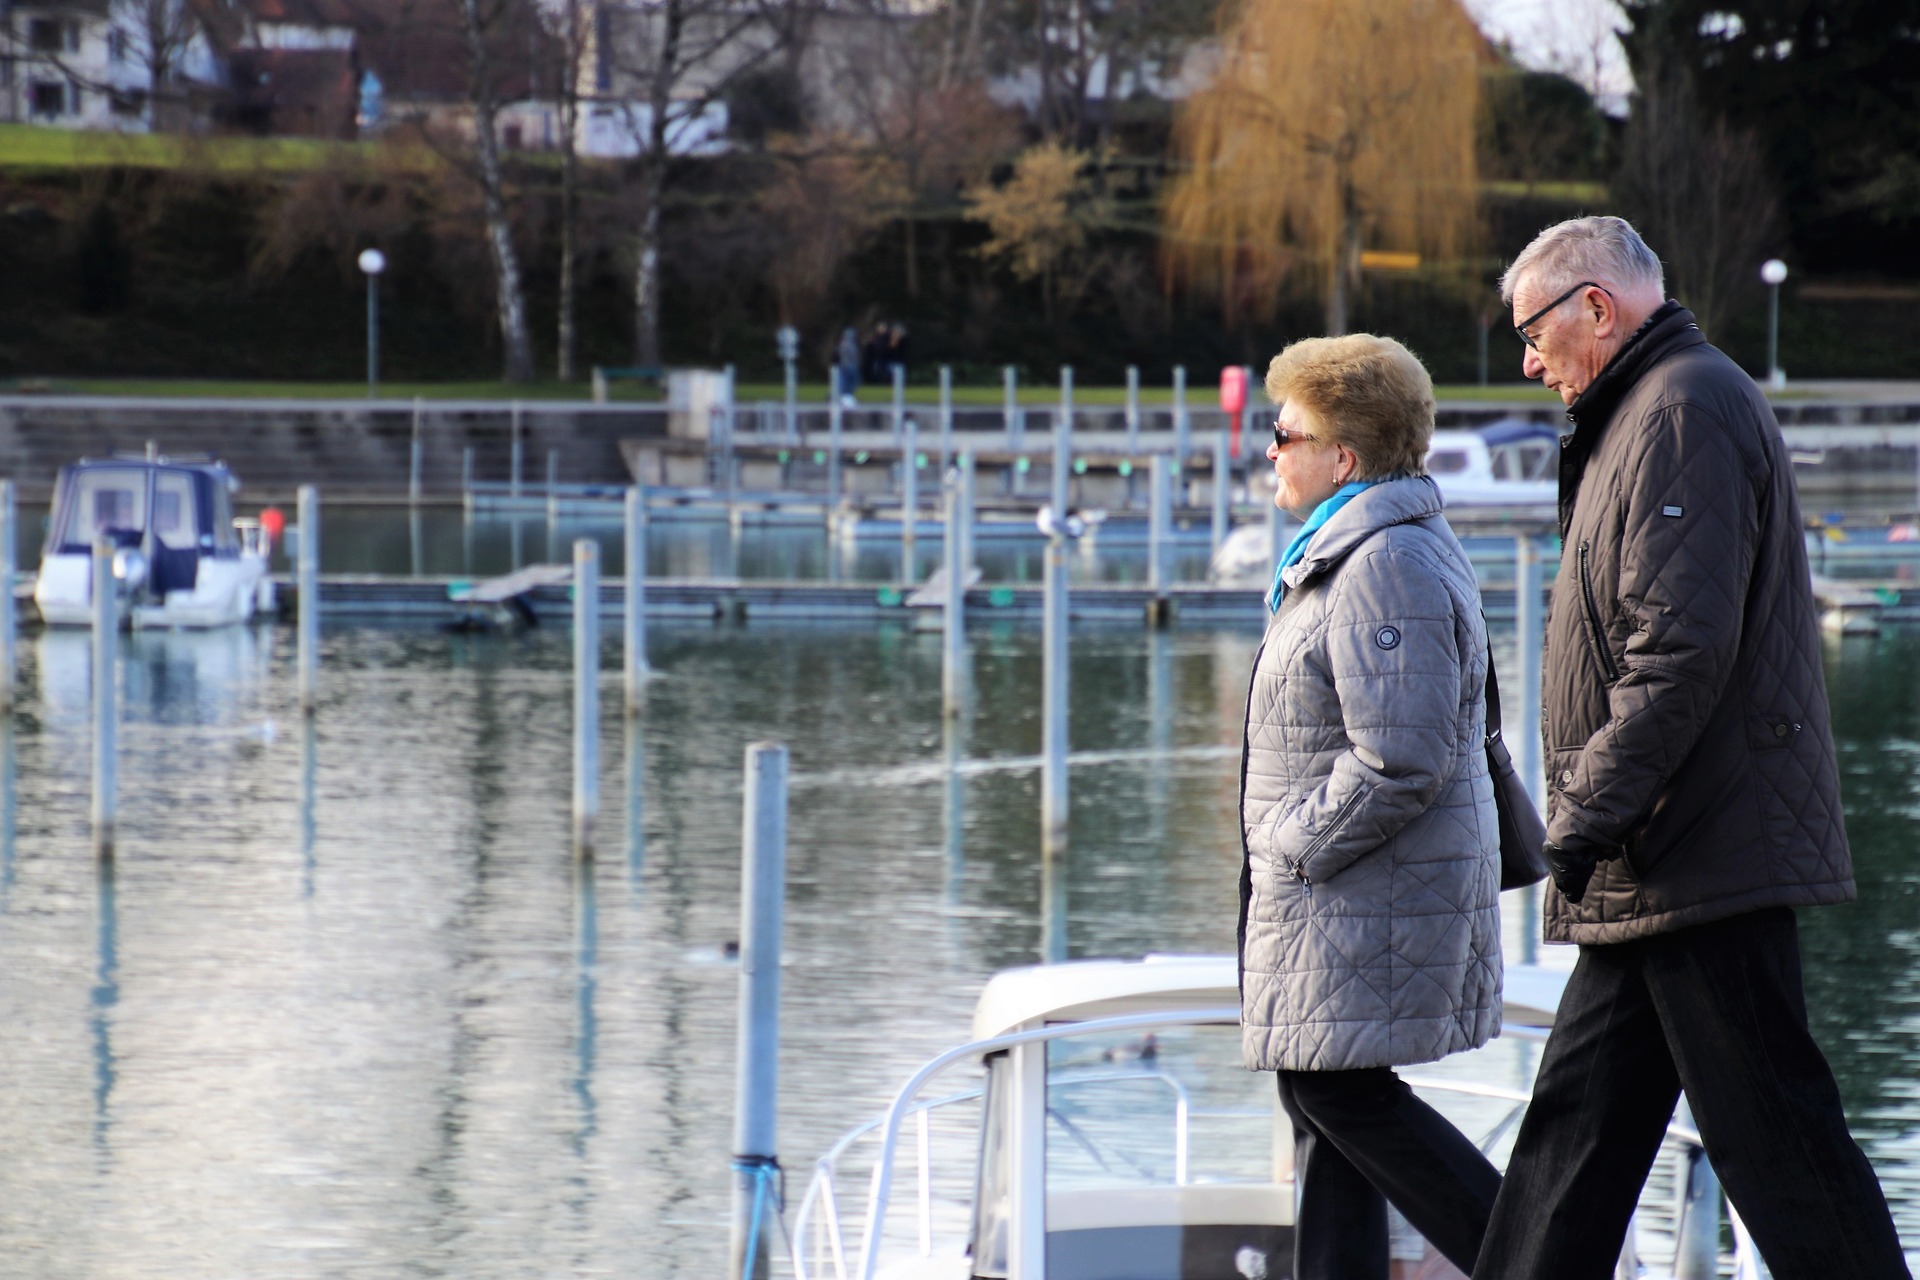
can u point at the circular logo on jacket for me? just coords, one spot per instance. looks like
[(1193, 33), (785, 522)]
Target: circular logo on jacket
[(1387, 637)]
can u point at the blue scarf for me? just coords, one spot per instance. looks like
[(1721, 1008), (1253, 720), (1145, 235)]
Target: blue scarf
[(1298, 547)]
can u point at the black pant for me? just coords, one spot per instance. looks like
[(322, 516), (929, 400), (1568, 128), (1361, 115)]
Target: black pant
[(1360, 1138), (1717, 1010)]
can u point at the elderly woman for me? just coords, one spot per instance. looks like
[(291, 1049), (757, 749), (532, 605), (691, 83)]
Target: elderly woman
[(1369, 925)]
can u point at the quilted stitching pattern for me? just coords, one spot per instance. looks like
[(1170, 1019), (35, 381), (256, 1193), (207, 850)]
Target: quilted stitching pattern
[(1364, 765), (1684, 706)]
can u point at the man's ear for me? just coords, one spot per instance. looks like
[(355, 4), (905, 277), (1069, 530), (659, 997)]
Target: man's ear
[(1606, 313)]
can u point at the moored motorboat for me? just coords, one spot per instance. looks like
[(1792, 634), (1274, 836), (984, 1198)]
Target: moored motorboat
[(181, 558), (1114, 1135)]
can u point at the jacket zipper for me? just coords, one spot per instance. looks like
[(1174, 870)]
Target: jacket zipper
[(1593, 619), (1320, 841)]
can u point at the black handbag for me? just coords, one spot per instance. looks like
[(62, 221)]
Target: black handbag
[(1523, 834)]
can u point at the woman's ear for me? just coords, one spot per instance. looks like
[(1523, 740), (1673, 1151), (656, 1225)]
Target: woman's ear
[(1348, 464)]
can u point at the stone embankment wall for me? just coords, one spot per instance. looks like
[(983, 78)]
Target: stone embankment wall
[(349, 448)]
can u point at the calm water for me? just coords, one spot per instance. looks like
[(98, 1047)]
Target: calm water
[(345, 1009)]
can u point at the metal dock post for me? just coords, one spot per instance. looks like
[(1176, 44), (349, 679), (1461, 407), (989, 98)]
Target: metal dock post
[(946, 417), (899, 400), (1010, 410), (1222, 490), (1133, 409), (517, 455), (1054, 827), (1182, 428), (1063, 446), (106, 696), (1159, 521), (635, 603), (417, 453), (9, 657), (586, 693), (953, 647), (763, 877), (836, 421), (307, 588), (1529, 628), (909, 437)]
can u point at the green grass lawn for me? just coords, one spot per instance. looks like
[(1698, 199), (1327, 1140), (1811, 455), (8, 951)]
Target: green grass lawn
[(24, 146)]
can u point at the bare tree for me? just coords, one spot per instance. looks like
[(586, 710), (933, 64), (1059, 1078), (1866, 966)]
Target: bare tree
[(939, 131), (570, 38), (1328, 124), (480, 21), (665, 67), (1697, 188)]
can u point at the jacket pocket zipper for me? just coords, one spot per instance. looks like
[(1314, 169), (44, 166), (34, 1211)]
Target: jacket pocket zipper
[(1593, 619), (1320, 841)]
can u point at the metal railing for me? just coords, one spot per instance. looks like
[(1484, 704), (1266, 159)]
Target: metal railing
[(820, 1212)]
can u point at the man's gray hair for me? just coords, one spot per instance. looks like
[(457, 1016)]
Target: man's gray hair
[(1603, 249)]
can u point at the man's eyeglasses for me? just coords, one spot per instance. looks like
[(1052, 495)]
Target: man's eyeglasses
[(1283, 437), (1535, 318)]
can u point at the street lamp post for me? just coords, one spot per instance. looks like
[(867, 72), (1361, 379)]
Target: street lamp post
[(1774, 271), (373, 262)]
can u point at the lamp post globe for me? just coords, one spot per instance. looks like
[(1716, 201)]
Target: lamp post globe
[(1774, 271), (372, 262)]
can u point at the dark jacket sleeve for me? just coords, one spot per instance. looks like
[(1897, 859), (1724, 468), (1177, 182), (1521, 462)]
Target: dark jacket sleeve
[(1687, 545)]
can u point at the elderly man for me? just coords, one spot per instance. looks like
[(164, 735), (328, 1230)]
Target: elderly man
[(1694, 798)]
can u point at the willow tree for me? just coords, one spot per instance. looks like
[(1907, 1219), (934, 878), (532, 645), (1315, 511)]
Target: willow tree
[(1329, 127)]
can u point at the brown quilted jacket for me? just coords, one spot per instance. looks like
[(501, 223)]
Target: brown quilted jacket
[(1683, 706)]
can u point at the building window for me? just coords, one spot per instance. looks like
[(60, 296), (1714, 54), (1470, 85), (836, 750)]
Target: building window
[(47, 99), (513, 137), (125, 102), (43, 35), (116, 45)]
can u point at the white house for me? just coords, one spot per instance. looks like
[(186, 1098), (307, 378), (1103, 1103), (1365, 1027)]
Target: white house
[(101, 64)]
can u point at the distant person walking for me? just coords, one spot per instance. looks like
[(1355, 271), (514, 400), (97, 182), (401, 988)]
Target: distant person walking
[(1694, 801), (873, 356), (846, 366), (1369, 893)]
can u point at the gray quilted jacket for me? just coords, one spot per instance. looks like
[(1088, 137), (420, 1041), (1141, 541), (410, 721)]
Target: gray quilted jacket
[(1683, 701), (1369, 916)]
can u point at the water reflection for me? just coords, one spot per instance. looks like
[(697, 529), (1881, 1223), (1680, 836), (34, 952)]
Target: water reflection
[(103, 998), (452, 1059), (636, 761)]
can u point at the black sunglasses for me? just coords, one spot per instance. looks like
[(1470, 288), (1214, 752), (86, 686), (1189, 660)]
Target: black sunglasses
[(1283, 437), (1534, 319)]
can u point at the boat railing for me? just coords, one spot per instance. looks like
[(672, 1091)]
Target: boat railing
[(1697, 1194)]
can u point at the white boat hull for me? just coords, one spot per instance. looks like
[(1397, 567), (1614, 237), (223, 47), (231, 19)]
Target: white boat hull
[(226, 592)]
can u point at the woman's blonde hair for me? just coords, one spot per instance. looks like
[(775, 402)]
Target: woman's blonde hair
[(1367, 392)]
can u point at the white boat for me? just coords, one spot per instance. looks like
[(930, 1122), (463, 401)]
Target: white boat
[(182, 559), (1507, 469), (1114, 1135)]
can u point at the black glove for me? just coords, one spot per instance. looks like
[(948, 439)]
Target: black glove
[(1571, 868)]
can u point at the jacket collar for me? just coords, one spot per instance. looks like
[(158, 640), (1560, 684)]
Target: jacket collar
[(1668, 330), (1400, 501)]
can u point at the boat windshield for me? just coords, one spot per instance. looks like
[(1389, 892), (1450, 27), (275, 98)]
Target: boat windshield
[(1164, 1158), (1164, 1108), (110, 500)]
